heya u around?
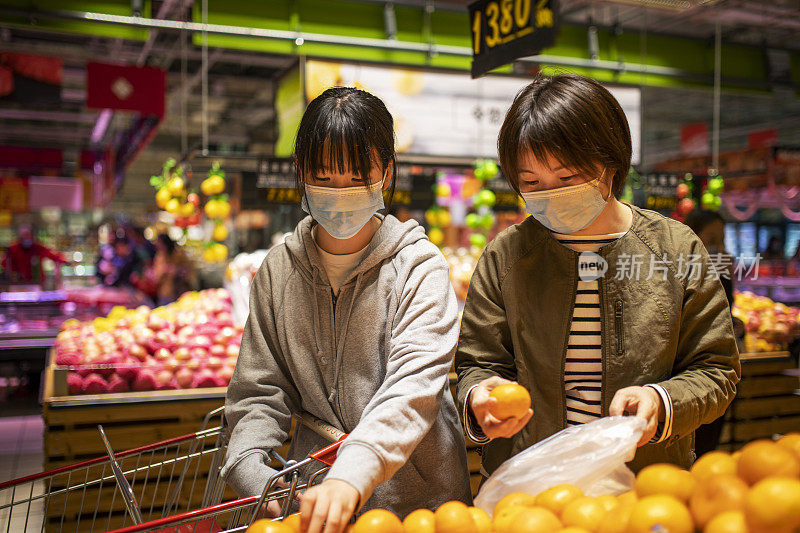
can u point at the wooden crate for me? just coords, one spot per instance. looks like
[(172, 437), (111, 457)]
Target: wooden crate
[(767, 402)]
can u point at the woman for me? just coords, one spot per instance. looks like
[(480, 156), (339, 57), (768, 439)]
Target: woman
[(597, 307), (352, 319)]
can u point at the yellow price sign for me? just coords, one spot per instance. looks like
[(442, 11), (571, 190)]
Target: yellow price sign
[(503, 30)]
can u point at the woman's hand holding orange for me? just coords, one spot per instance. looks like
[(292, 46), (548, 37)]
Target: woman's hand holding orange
[(489, 411)]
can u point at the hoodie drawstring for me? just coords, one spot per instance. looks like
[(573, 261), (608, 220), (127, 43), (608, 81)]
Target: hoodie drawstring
[(340, 348)]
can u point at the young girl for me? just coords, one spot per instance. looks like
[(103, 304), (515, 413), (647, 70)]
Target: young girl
[(596, 307), (354, 320)]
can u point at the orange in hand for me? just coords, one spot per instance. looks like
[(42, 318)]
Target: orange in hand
[(513, 401)]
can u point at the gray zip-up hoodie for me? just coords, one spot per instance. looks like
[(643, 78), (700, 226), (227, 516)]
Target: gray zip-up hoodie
[(372, 362)]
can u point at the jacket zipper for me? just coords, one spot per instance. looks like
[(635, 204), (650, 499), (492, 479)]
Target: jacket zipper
[(618, 329), (334, 302)]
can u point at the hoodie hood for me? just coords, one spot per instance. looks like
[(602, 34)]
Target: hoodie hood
[(391, 237)]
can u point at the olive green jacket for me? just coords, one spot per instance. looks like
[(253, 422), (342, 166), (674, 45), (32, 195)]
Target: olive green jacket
[(674, 330)]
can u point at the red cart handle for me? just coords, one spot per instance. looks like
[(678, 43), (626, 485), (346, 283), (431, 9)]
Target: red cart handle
[(327, 455)]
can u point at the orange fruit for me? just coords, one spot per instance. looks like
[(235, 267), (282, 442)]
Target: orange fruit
[(665, 479), (513, 401), (608, 502), (535, 520), (556, 498), (505, 520), (773, 505), (763, 458), (727, 522), (724, 492), (378, 521), (616, 520), (420, 521), (266, 525), (628, 498), (454, 517), (713, 463), (660, 513), (483, 522), (791, 441), (293, 521), (513, 500), (584, 512)]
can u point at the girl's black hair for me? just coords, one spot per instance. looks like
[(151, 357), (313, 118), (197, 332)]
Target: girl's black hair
[(356, 129)]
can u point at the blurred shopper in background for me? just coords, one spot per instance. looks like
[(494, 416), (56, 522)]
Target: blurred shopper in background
[(118, 265), (23, 261), (172, 271)]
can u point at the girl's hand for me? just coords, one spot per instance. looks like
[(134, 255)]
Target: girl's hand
[(273, 508), (331, 503), (480, 403), (643, 402)]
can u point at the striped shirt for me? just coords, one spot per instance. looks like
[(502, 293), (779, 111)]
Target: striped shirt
[(583, 371)]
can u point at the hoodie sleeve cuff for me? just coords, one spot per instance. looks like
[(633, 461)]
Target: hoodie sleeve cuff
[(664, 429), (358, 465), (249, 476)]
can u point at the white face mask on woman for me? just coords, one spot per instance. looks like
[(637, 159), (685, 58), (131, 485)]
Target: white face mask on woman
[(566, 209), (343, 212)]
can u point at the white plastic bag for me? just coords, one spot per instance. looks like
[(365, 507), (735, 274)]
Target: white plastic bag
[(590, 456)]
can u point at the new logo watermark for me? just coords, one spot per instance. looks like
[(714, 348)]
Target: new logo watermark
[(591, 266)]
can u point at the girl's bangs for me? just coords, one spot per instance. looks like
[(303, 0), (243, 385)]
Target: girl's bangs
[(339, 145)]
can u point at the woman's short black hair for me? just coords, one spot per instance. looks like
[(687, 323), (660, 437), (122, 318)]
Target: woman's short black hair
[(348, 130), (572, 118)]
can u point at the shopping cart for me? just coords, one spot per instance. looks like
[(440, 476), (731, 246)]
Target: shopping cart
[(172, 485)]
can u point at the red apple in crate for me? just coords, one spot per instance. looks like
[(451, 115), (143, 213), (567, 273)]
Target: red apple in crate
[(227, 332), (182, 354), (94, 384), (143, 335), (117, 384), (193, 363), (163, 378), (172, 364), (232, 351), (230, 362), (206, 378), (199, 353), (74, 383), (201, 341), (214, 363), (225, 374), (162, 354), (137, 351), (184, 378), (129, 369), (156, 323), (217, 351), (186, 331), (67, 359), (146, 380)]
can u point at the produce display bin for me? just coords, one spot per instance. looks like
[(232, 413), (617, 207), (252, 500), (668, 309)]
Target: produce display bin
[(767, 401)]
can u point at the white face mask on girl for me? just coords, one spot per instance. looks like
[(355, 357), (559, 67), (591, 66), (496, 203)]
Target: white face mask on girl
[(343, 212), (566, 209)]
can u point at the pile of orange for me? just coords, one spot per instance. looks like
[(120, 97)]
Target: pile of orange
[(755, 490)]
